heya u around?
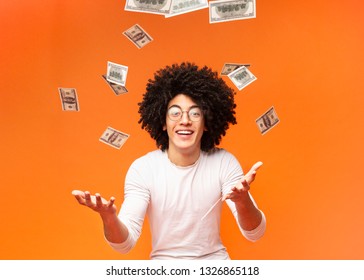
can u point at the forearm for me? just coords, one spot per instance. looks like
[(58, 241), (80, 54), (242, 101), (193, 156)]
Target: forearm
[(249, 216), (114, 230)]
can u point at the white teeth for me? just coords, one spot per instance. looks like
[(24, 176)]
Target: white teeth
[(184, 132)]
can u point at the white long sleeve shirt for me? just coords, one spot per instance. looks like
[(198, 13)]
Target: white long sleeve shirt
[(175, 199)]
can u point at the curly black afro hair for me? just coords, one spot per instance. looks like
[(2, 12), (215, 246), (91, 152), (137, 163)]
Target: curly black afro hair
[(203, 86)]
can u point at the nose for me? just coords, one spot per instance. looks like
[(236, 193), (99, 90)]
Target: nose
[(185, 118)]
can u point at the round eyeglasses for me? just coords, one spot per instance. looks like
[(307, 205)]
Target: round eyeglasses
[(175, 113)]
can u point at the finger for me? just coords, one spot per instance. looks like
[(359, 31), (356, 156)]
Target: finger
[(98, 200), (80, 199), (88, 198), (254, 168), (257, 165), (79, 195), (226, 196), (77, 192), (245, 185), (250, 176), (111, 202), (241, 186), (87, 195), (230, 194)]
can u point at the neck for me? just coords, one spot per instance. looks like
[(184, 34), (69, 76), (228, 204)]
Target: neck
[(183, 159)]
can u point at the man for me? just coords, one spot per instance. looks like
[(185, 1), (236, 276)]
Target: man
[(186, 110)]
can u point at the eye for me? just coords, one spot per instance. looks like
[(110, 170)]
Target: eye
[(174, 112), (195, 112)]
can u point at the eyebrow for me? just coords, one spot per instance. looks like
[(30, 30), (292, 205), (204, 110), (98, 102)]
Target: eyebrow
[(175, 105)]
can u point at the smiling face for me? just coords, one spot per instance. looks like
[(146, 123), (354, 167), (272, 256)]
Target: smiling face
[(184, 134)]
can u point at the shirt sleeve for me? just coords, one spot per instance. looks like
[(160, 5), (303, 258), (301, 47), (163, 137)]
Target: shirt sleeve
[(251, 235), (231, 174), (134, 207)]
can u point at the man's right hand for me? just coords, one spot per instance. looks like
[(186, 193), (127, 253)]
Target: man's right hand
[(95, 202)]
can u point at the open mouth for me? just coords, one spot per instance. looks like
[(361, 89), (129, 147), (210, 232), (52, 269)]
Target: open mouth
[(184, 132)]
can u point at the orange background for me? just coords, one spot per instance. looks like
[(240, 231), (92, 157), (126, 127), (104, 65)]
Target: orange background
[(308, 58)]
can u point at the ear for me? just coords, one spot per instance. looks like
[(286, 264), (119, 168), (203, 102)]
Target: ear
[(164, 127)]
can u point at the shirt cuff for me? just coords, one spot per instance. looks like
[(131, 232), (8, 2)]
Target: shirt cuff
[(258, 232), (123, 247)]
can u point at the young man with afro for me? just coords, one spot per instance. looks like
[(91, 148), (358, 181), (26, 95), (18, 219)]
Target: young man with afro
[(186, 110)]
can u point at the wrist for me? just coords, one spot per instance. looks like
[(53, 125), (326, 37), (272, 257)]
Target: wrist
[(244, 200), (108, 217)]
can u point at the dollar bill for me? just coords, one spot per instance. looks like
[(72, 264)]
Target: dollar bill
[(241, 77), (117, 89), (179, 7), (267, 121), (69, 99), (227, 10), (161, 7), (230, 67), (138, 36), (116, 73), (114, 138)]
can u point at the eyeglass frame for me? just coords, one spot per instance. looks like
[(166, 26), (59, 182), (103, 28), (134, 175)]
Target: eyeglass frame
[(186, 111)]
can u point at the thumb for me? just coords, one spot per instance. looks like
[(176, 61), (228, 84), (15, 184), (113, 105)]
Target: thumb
[(250, 176), (77, 193)]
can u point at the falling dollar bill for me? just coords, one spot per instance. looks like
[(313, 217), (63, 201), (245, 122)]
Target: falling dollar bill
[(114, 138), (138, 36), (69, 99), (241, 77), (267, 121), (116, 73), (227, 10), (230, 67), (161, 7), (117, 89), (179, 7)]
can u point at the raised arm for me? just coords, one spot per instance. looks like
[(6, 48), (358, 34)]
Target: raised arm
[(249, 216)]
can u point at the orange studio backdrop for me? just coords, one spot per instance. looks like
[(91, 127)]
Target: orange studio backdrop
[(308, 60)]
